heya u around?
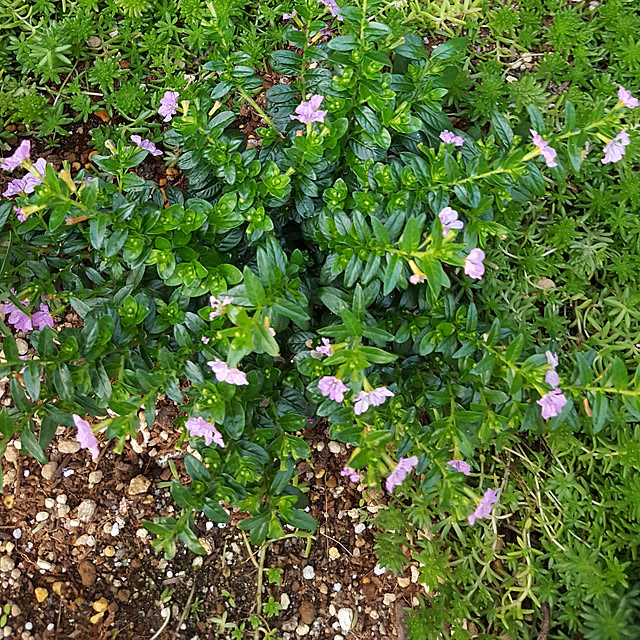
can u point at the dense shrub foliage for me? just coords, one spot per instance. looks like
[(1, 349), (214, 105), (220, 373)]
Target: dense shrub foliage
[(354, 269)]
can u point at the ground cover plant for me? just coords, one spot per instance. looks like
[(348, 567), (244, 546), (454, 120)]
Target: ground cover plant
[(364, 266)]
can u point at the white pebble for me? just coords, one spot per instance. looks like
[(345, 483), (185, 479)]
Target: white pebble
[(68, 472), (28, 626), (378, 570), (337, 586), (308, 573), (115, 530), (41, 516), (26, 473), (359, 528), (17, 534)]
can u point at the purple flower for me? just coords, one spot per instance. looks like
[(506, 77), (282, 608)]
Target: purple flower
[(551, 377), (449, 219), (402, 470), (31, 181), (288, 16), (13, 188), (226, 374), (461, 466), (85, 436), (548, 153), (552, 403), (208, 431), (374, 398), (473, 266), (483, 510), (325, 349), (146, 145), (417, 278), (626, 98), (42, 318), (168, 105), (552, 359), (309, 111), (205, 340), (333, 7), (614, 150), (352, 474), (21, 217), (450, 138), (332, 387), (17, 317), (218, 306), (19, 156), (325, 32)]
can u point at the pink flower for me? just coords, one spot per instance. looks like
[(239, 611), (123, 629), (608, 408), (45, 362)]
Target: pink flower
[(450, 138), (552, 359), (200, 427), (218, 306), (309, 111), (325, 349), (402, 470), (146, 145), (18, 318), (13, 188), (168, 105), (325, 32), (473, 266), (374, 398), (288, 16), (614, 150), (551, 377), (226, 374), (29, 182), (626, 98), (549, 154), (205, 340), (19, 156), (483, 510), (449, 219), (85, 436), (333, 8), (21, 217), (417, 278), (332, 387), (552, 403), (42, 318), (461, 466), (352, 474)]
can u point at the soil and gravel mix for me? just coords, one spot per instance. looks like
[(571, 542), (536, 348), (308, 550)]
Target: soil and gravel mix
[(76, 562)]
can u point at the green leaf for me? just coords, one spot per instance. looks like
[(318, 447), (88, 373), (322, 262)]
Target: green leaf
[(31, 445), (392, 274), (502, 128), (234, 419), (537, 122), (196, 469), (255, 290)]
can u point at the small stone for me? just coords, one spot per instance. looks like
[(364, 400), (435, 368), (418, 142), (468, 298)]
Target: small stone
[(95, 477), (68, 446), (138, 485), (41, 516), (337, 587), (109, 551), (331, 482), (94, 42), (49, 471), (334, 447), (6, 564), (197, 562), (86, 510), (49, 503), (17, 534), (85, 540), (285, 601), (41, 594), (63, 510), (22, 345), (302, 629), (96, 618), (57, 588), (345, 619), (115, 530), (62, 498), (44, 565), (403, 583), (334, 553), (415, 574), (378, 570), (100, 605), (388, 599), (11, 454), (15, 610), (308, 573), (359, 528), (87, 571), (307, 612)]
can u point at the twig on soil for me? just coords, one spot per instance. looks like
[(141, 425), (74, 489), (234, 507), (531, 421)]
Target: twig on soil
[(261, 557), (252, 555), (163, 627), (185, 611), (546, 621)]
